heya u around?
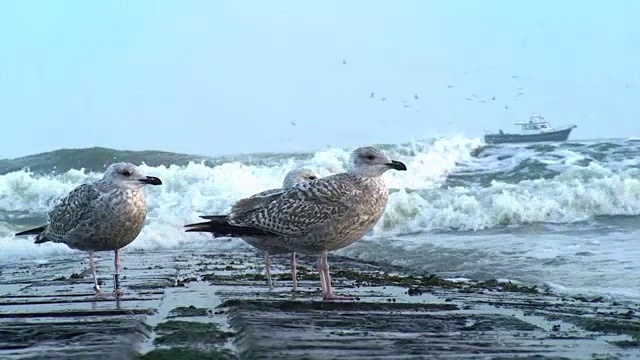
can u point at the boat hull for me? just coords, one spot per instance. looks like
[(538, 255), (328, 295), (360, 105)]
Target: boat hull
[(557, 135)]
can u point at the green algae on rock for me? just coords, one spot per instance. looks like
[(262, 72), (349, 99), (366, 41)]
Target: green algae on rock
[(179, 332), (152, 284), (180, 353), (187, 311), (291, 305)]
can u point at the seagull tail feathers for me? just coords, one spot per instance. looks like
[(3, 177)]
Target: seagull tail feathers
[(219, 226), (36, 231)]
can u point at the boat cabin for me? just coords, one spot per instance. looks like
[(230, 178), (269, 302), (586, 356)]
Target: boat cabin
[(535, 123)]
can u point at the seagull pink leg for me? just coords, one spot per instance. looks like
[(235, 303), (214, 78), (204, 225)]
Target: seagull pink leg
[(321, 273), (294, 273), (267, 261), (92, 265), (328, 295), (117, 291), (117, 262), (326, 289)]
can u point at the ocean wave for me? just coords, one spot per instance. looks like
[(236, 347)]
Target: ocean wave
[(449, 186)]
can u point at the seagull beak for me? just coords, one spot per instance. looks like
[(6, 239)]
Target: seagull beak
[(151, 180), (397, 165)]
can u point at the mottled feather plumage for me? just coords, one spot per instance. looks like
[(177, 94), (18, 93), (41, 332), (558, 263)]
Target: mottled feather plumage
[(69, 212), (223, 225), (300, 210), (296, 210)]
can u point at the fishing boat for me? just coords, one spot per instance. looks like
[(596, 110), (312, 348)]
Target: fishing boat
[(534, 130)]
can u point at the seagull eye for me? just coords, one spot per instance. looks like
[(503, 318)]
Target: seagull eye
[(370, 157), (126, 173), (312, 177)]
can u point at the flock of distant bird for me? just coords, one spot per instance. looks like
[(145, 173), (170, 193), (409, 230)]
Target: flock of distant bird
[(308, 215), (474, 97)]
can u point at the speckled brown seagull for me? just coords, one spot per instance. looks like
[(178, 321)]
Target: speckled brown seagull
[(106, 215), (317, 216)]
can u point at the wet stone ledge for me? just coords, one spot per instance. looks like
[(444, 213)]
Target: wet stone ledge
[(191, 305)]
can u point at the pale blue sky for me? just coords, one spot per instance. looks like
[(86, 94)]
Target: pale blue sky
[(220, 77)]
